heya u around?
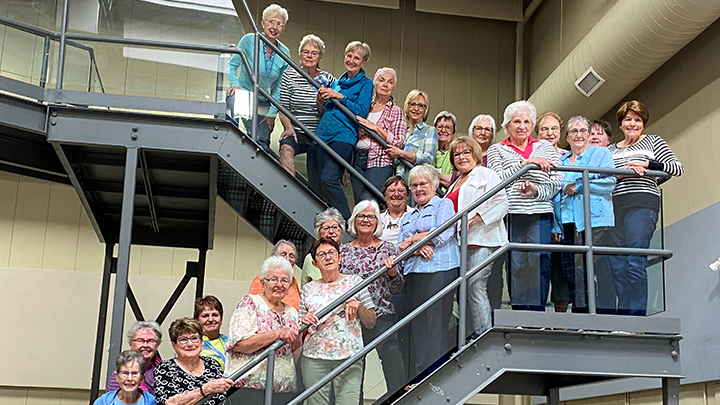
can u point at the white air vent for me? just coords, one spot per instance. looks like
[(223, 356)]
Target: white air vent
[(589, 82)]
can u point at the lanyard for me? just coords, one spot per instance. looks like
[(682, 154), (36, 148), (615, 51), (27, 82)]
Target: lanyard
[(268, 62)]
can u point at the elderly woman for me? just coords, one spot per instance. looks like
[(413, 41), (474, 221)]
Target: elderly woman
[(430, 268), (287, 250), (569, 211), (486, 230), (482, 130), (188, 378), (301, 99), (529, 197), (328, 224), (339, 132), (600, 133), (209, 312), (445, 124), (387, 120), (258, 321), (129, 367), (421, 139), (144, 337), (549, 127), (273, 23), (637, 201), (338, 335), (395, 193), (363, 257)]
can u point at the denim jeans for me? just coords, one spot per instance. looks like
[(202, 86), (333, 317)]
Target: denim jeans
[(375, 175), (324, 174), (529, 271), (574, 267), (478, 300), (634, 228), (263, 135)]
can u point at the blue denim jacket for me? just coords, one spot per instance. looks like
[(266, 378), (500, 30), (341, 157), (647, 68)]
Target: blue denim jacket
[(357, 92)]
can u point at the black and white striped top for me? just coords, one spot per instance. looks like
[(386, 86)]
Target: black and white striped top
[(298, 96), (652, 149), (504, 161)]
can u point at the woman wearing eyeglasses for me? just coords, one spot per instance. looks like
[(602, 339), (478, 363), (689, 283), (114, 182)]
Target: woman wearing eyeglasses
[(328, 224), (129, 375), (145, 337), (421, 139), (259, 320), (363, 257), (188, 377)]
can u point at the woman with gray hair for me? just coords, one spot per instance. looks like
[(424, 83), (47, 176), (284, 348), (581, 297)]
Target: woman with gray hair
[(128, 374), (328, 224), (287, 250), (300, 98), (363, 257), (144, 337), (482, 129), (530, 207), (273, 23), (445, 123), (431, 268), (258, 321)]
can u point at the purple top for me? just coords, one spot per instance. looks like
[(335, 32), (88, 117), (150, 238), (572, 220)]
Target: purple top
[(148, 384)]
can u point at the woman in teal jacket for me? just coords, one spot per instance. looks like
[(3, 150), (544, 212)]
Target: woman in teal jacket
[(129, 367), (568, 204), (339, 132)]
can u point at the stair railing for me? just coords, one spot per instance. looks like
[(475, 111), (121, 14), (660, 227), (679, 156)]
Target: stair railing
[(464, 275)]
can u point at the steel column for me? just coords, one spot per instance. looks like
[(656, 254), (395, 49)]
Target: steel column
[(269, 374), (589, 264), (671, 391), (553, 396), (123, 259), (45, 66), (61, 50), (200, 276), (102, 320)]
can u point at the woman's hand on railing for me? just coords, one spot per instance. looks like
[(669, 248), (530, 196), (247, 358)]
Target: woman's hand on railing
[(394, 152), (326, 94), (545, 165), (370, 125), (392, 270), (426, 251), (528, 189), (289, 334), (639, 167), (231, 90), (310, 319), (217, 386)]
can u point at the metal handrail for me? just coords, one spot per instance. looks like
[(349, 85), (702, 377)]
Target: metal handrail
[(465, 274)]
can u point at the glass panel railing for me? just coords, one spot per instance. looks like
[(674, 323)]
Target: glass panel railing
[(21, 55)]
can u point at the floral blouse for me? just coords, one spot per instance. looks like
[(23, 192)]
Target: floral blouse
[(364, 262), (334, 338), (253, 315), (171, 379)]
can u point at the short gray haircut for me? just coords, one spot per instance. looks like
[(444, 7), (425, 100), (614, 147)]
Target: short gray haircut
[(578, 119), (357, 46), (283, 242), (276, 263), (154, 326), (130, 356), (359, 207), (516, 108), (275, 10), (331, 213), (448, 116), (425, 170), (479, 118), (313, 40)]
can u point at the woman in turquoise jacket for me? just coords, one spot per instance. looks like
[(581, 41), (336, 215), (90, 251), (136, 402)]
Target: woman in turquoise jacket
[(339, 132), (129, 367), (568, 204)]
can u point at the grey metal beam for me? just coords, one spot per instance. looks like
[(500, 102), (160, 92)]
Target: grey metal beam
[(671, 391), (587, 322), (212, 200), (21, 114), (132, 300), (148, 191), (527, 362), (123, 257), (200, 275), (102, 320)]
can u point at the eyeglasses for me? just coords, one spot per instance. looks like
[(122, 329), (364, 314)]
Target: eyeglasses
[(287, 255), (305, 52), (191, 339), (413, 104), (466, 154), (323, 255), (369, 218), (275, 280), (151, 342), (275, 23), (553, 129), (444, 128), (576, 131), (125, 374), (396, 191), (333, 228), (422, 184), (478, 128)]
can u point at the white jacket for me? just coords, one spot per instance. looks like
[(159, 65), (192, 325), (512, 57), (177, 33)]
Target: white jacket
[(492, 231)]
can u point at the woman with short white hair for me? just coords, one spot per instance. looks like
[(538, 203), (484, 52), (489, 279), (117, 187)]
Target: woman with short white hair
[(145, 337), (530, 207), (482, 129)]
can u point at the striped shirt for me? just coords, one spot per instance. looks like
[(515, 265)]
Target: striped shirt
[(298, 96), (393, 121), (652, 149), (422, 140), (505, 162)]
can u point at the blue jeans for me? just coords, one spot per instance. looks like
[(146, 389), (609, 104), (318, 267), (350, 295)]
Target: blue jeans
[(529, 271), (263, 135), (324, 174), (634, 228), (375, 175)]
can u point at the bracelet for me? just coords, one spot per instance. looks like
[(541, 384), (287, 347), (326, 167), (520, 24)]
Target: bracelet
[(201, 392)]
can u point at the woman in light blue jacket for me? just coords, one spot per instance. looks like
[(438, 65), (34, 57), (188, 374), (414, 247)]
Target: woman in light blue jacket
[(568, 204), (129, 367)]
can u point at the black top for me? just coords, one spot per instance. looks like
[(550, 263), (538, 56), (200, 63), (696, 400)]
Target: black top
[(171, 380)]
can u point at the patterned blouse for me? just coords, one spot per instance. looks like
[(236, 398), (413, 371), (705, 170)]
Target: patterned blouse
[(171, 379), (253, 315), (335, 338), (393, 121), (364, 262), (421, 140)]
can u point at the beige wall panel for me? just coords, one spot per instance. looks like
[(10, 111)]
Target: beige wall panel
[(320, 21), (484, 98), (74, 397), (458, 70), (111, 65), (431, 60), (13, 396), (693, 394), (650, 397), (712, 388), (348, 23), (156, 261), (251, 251), (491, 9), (376, 33), (606, 400), (408, 25), (171, 81), (221, 260), (506, 67), (201, 85), (30, 223), (8, 201), (18, 55), (61, 236), (543, 40), (40, 396), (141, 78), (90, 253), (180, 258), (298, 12)]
